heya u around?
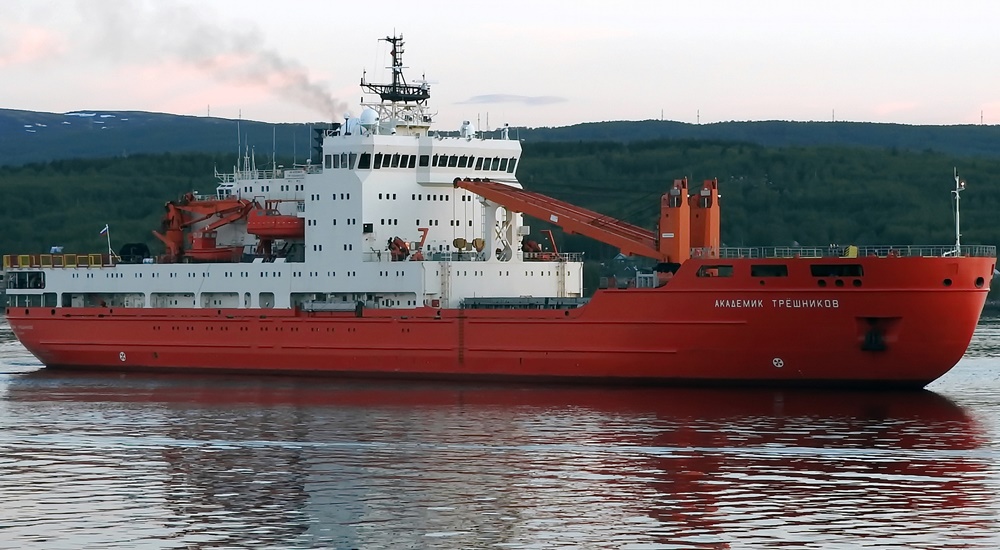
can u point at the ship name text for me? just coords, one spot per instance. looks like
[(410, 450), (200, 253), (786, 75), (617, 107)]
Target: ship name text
[(787, 303), (739, 303), (798, 303)]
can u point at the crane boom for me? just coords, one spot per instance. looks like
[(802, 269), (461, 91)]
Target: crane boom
[(631, 239), (670, 243)]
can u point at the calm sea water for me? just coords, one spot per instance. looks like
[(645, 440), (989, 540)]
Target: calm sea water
[(156, 461)]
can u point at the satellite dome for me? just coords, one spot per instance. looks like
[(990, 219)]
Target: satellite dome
[(368, 118), (467, 129)]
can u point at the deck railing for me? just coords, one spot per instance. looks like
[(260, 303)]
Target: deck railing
[(905, 250), (271, 174), (15, 261)]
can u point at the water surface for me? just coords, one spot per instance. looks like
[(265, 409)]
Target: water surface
[(105, 460)]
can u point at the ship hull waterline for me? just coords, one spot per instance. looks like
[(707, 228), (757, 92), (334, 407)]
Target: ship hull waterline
[(663, 335)]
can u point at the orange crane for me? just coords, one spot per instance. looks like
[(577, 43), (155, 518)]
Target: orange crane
[(189, 211), (670, 243)]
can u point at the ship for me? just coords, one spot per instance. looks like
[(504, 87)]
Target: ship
[(406, 252)]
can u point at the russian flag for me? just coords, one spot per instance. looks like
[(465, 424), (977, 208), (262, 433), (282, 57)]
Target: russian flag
[(105, 230)]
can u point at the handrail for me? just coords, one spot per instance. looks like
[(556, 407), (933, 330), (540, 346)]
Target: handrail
[(18, 261), (836, 251)]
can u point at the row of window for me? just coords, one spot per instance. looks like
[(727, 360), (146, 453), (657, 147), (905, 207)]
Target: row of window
[(420, 197), (267, 188), (389, 221), (364, 161), (781, 270)]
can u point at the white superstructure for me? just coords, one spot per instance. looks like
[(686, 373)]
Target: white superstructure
[(384, 179)]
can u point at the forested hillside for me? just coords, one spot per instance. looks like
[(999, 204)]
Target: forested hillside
[(809, 195), (959, 139), (28, 136)]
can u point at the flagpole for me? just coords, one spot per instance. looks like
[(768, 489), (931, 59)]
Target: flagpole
[(107, 233)]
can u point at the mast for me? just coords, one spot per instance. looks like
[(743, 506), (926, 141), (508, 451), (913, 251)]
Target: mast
[(402, 107), (959, 187), (398, 90)]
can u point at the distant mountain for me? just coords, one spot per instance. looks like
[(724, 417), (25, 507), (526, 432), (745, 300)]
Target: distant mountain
[(964, 140), (28, 136)]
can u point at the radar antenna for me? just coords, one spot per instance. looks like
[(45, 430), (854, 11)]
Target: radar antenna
[(399, 90)]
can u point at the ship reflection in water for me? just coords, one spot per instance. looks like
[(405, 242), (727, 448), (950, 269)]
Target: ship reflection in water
[(109, 461)]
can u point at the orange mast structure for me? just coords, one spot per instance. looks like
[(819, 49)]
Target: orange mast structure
[(672, 242), (705, 229)]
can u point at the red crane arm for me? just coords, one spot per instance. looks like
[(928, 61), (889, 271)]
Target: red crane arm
[(630, 239)]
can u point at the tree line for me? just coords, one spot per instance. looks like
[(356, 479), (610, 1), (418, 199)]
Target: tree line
[(813, 195)]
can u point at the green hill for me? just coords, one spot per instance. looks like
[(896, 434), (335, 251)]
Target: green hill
[(770, 195), (28, 136)]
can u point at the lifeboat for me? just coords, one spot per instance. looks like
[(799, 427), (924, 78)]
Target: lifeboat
[(271, 224), (203, 249)]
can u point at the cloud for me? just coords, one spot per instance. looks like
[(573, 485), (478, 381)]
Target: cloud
[(134, 34), (30, 45), (513, 98)]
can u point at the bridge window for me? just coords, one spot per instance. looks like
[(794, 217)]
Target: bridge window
[(496, 163), (511, 166), (769, 270), (452, 161), (715, 271), (424, 160), (327, 161), (336, 161), (395, 160), (503, 164), (26, 279), (836, 270), (479, 163), (463, 161), (413, 160), (365, 162)]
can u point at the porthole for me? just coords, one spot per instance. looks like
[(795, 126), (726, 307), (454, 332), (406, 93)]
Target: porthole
[(839, 282), (980, 282), (856, 282), (821, 283), (947, 282)]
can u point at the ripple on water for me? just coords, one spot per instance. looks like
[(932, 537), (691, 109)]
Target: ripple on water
[(109, 461)]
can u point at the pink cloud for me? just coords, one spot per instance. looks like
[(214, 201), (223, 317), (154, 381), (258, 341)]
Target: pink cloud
[(895, 107), (32, 45), (186, 88)]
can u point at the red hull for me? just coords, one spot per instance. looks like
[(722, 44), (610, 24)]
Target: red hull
[(693, 330)]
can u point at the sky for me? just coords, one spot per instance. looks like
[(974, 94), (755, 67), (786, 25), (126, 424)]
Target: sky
[(527, 63)]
